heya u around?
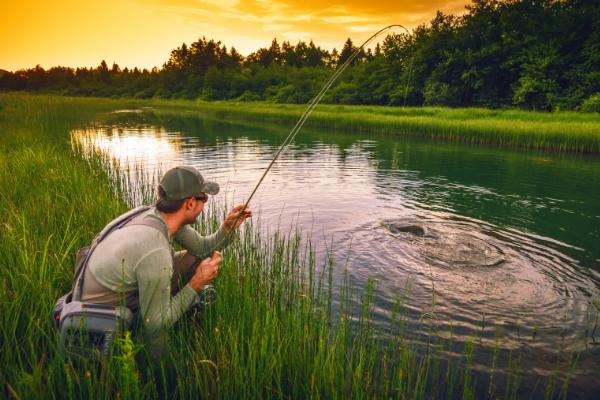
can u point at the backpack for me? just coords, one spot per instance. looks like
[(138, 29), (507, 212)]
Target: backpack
[(84, 326)]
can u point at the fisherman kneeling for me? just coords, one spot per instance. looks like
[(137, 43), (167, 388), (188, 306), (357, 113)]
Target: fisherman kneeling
[(136, 263)]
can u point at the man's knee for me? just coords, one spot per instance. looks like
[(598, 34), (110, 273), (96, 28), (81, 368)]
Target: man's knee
[(184, 266)]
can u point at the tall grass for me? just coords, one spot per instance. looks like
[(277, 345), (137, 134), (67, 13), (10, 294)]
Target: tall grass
[(559, 131), (564, 131), (274, 331)]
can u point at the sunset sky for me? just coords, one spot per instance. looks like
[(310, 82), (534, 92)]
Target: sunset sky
[(143, 32)]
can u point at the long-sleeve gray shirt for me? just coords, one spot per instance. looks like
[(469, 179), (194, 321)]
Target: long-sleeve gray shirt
[(136, 263)]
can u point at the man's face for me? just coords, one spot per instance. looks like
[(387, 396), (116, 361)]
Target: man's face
[(194, 207)]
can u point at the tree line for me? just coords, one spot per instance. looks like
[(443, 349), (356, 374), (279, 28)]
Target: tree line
[(535, 54)]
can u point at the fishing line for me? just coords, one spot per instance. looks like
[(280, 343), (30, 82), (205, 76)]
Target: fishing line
[(309, 109)]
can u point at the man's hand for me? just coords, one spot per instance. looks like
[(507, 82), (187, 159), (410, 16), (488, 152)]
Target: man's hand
[(236, 217), (206, 272)]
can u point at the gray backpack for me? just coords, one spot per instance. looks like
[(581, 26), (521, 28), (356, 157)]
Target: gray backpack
[(86, 326)]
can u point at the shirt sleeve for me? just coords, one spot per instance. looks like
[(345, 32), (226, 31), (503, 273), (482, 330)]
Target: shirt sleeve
[(202, 246), (157, 307)]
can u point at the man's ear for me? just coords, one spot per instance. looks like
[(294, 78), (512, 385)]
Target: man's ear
[(188, 204)]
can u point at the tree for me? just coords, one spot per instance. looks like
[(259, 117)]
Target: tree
[(267, 56), (347, 51), (314, 56), (538, 54), (537, 86), (102, 72)]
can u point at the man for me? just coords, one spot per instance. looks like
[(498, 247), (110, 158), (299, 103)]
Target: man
[(137, 263)]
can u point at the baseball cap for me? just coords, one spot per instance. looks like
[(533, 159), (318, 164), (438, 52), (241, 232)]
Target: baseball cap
[(182, 182)]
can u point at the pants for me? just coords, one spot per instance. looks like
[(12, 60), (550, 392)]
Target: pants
[(184, 267)]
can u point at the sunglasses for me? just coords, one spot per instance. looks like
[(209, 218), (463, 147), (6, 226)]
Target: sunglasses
[(203, 197)]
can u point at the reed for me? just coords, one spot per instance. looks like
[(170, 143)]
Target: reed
[(274, 331), (565, 132), (561, 131)]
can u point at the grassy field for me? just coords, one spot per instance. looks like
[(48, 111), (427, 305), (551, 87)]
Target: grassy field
[(271, 334), (571, 132), (559, 131)]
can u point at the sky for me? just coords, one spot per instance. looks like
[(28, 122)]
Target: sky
[(142, 33)]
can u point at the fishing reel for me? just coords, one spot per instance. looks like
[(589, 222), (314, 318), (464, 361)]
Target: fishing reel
[(207, 296)]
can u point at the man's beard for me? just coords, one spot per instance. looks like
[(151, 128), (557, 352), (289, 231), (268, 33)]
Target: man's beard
[(191, 221)]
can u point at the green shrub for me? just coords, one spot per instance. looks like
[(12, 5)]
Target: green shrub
[(249, 96), (441, 94), (591, 104)]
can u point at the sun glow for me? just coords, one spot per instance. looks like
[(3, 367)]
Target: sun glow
[(143, 33), (141, 148)]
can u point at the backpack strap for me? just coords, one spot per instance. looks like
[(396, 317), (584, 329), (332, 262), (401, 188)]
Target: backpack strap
[(132, 217), (151, 222)]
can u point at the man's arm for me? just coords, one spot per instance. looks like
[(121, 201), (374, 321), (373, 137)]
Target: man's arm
[(157, 307), (203, 246)]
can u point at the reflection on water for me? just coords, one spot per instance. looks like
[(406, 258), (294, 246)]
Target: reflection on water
[(510, 240), (130, 147), (143, 152)]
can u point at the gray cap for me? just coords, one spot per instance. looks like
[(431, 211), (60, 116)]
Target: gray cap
[(183, 182)]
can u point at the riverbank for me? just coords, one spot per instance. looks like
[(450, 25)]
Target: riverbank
[(274, 331), (569, 132), (563, 132)]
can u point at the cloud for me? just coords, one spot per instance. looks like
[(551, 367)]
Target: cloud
[(345, 19), (328, 23), (278, 27), (143, 32), (369, 8)]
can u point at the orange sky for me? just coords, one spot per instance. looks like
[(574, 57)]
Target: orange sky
[(143, 32)]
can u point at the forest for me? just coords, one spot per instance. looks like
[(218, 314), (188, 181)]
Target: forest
[(533, 54)]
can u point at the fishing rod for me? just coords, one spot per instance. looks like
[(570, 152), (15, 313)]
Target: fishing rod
[(309, 109)]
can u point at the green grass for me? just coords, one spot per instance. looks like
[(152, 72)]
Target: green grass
[(567, 131), (559, 131), (272, 333)]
